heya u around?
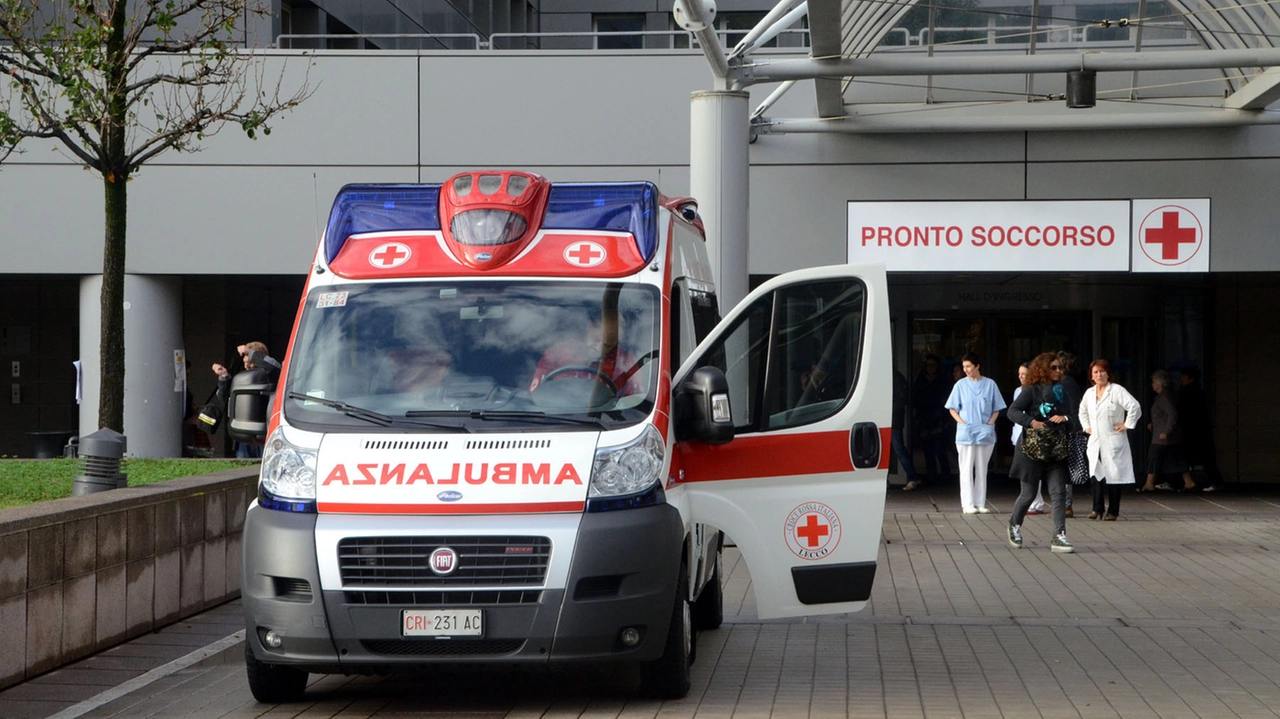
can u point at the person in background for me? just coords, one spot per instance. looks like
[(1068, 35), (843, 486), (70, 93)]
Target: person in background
[(254, 356), (928, 393), (1041, 404), (597, 354), (1107, 413), (1165, 455), (1077, 463), (900, 391), (1197, 424), (974, 404), (188, 414), (1037, 504)]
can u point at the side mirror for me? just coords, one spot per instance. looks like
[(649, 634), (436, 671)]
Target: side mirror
[(248, 405), (702, 408)]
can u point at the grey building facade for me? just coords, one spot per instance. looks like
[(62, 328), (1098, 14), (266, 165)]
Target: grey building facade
[(224, 237)]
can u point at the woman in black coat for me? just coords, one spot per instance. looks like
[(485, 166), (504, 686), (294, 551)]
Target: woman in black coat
[(1042, 403)]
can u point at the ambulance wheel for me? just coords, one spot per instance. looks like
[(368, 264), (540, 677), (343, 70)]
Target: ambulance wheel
[(667, 677), (708, 611), (272, 683)]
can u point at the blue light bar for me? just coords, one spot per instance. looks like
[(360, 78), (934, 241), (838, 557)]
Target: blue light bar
[(380, 208), (621, 207)]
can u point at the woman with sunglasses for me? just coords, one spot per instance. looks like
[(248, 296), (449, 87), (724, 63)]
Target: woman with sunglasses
[(1042, 404)]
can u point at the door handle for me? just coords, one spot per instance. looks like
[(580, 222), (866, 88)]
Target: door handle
[(864, 445)]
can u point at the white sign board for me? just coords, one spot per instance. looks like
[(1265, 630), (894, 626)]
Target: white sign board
[(1171, 235), (1017, 236)]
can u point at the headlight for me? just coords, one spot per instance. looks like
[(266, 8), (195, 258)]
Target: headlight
[(630, 468), (288, 479)]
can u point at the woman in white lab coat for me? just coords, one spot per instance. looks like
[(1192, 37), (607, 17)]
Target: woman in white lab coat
[(1107, 413)]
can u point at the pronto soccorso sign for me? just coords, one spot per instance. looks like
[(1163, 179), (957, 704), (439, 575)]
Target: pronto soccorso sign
[(1032, 236)]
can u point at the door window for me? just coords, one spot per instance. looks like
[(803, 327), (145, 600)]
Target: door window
[(792, 357)]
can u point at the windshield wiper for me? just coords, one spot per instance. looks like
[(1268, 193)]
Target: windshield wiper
[(499, 415), (485, 415), (350, 410), (369, 415)]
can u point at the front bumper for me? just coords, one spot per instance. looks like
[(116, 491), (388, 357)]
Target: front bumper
[(607, 571)]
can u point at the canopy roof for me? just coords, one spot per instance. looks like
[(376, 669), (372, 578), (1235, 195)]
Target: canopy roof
[(985, 65)]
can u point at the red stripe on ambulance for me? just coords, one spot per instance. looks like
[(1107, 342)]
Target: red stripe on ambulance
[(459, 473), (769, 455), (504, 508)]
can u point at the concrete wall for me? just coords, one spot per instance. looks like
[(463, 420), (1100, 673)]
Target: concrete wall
[(81, 574), (257, 207)]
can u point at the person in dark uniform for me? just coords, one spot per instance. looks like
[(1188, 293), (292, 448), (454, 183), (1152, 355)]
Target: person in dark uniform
[(901, 388), (1197, 423), (930, 418)]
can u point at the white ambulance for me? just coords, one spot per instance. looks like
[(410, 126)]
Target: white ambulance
[(511, 428)]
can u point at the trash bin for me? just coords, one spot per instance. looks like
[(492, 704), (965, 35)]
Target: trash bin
[(100, 455), (49, 444)]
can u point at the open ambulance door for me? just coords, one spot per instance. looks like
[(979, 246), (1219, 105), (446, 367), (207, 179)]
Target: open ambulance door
[(799, 482)]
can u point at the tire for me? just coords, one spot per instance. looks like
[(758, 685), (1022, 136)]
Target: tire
[(708, 611), (272, 683), (667, 677)]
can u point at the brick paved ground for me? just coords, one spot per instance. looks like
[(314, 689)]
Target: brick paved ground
[(1174, 611)]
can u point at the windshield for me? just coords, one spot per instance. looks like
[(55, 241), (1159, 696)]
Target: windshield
[(475, 356)]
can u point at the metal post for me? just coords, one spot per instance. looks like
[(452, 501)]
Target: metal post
[(718, 167)]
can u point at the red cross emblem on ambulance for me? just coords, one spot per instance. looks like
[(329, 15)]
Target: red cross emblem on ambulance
[(584, 254), (389, 255), (1170, 235), (812, 530)]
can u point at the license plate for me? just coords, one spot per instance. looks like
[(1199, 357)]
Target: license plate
[(442, 623)]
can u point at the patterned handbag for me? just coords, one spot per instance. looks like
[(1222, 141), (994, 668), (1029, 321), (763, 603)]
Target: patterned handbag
[(1047, 444)]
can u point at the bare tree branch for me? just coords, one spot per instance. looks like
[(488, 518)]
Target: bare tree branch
[(117, 91)]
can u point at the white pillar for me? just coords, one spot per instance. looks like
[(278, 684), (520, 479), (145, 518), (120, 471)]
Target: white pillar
[(153, 404), (718, 168)]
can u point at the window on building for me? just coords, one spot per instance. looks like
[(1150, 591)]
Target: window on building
[(630, 23), (733, 26)]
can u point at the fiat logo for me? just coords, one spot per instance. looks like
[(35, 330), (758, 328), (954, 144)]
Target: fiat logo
[(444, 561)]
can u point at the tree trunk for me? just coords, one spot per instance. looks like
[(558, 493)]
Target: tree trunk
[(115, 176), (111, 347)]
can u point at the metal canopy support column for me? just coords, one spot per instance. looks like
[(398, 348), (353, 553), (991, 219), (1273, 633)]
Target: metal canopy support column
[(718, 168)]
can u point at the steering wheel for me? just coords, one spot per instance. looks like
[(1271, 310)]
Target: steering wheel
[(599, 376)]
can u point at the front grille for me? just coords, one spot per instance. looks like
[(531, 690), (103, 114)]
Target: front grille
[(443, 647), (436, 599), (378, 562)]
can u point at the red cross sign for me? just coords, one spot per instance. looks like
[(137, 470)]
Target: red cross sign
[(584, 254), (812, 530), (1170, 236), (390, 254)]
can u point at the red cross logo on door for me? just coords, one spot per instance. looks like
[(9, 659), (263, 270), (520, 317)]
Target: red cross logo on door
[(1170, 235), (390, 254), (812, 530), (584, 254)]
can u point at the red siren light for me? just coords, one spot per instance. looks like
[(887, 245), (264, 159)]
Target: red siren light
[(488, 217)]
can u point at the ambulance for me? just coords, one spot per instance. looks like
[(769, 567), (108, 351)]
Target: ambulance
[(512, 428)]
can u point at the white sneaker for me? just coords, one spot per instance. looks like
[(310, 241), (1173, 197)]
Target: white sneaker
[(970, 510), (983, 510)]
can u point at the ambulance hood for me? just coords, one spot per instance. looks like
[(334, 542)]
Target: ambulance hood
[(472, 474)]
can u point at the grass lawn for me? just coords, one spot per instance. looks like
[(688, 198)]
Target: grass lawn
[(26, 481)]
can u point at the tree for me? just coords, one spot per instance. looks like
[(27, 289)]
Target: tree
[(118, 82)]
